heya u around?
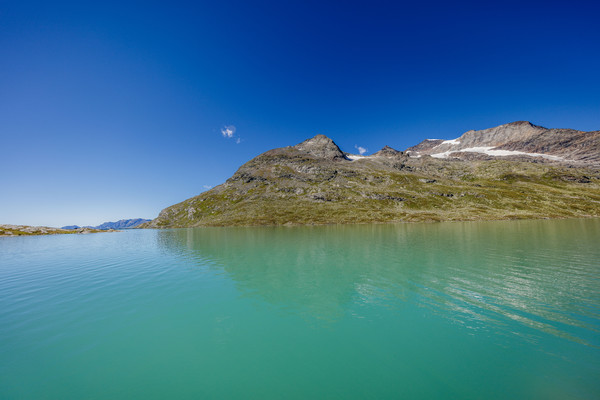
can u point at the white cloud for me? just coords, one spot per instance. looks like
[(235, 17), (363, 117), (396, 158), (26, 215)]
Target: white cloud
[(228, 131), (361, 150), (207, 187), (238, 140)]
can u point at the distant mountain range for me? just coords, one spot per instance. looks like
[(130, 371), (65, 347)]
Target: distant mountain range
[(513, 171), (121, 224)]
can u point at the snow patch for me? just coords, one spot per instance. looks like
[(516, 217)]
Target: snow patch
[(445, 154), (497, 153), (453, 141), (354, 157)]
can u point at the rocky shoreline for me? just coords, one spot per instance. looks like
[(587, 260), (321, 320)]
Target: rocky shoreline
[(25, 230)]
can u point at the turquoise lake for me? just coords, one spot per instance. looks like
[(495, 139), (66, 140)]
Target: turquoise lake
[(489, 310)]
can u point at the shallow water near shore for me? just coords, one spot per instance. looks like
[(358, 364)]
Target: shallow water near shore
[(493, 310)]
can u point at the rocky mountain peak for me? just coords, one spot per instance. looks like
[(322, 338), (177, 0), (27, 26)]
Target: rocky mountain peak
[(524, 125), (387, 151), (519, 123), (322, 147)]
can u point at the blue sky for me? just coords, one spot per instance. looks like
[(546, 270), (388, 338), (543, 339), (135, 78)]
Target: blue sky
[(113, 110)]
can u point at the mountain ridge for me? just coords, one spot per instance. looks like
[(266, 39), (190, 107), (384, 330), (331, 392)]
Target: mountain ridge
[(518, 139), (120, 224), (315, 182)]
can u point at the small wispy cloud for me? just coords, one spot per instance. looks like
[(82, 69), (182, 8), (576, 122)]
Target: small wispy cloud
[(207, 187), (361, 150), (228, 131)]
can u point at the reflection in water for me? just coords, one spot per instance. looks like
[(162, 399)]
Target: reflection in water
[(540, 274)]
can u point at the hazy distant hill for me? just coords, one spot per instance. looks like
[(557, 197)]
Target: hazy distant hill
[(121, 224), (517, 170), (70, 227)]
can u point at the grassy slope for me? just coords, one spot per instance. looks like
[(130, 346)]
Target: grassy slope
[(270, 191)]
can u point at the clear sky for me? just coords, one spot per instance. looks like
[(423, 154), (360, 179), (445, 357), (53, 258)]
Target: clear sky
[(112, 110)]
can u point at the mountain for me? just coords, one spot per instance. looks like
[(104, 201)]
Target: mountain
[(315, 182), (518, 139), (121, 224)]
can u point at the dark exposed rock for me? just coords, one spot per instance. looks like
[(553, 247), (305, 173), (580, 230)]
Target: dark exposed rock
[(578, 179), (380, 196)]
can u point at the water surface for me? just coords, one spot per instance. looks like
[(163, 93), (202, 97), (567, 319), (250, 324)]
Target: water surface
[(490, 310)]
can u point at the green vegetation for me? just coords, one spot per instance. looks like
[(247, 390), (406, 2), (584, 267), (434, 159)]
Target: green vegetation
[(285, 186)]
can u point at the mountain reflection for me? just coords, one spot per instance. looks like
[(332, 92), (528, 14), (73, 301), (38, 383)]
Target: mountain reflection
[(488, 275)]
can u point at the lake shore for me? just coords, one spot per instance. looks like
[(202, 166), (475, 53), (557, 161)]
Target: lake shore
[(26, 230)]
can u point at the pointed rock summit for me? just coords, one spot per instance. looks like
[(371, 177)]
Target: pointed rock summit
[(520, 123), (321, 146), (387, 151)]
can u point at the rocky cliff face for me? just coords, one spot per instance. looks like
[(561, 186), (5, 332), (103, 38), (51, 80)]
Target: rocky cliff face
[(315, 182), (519, 139)]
